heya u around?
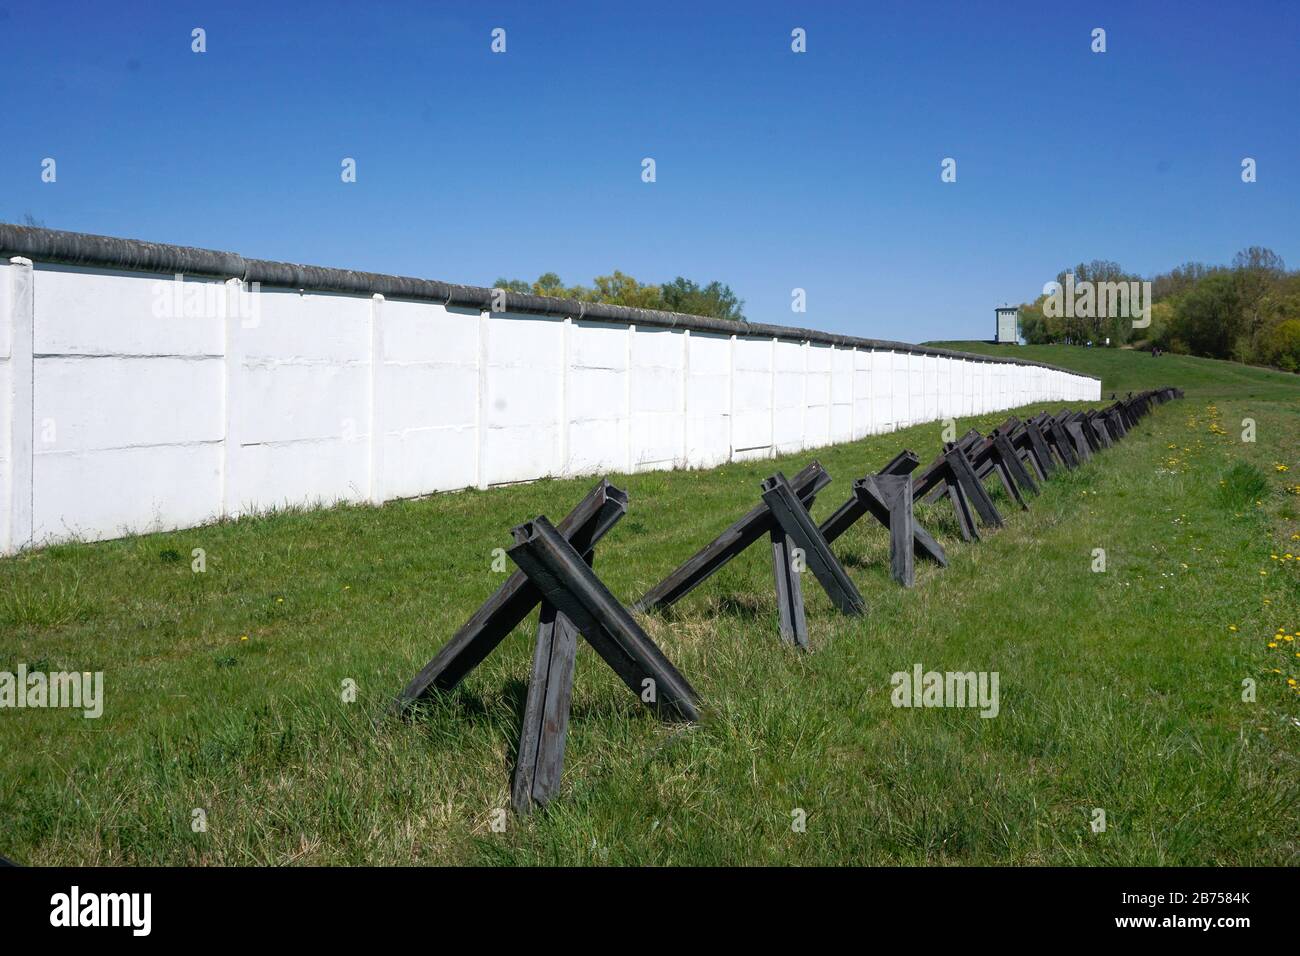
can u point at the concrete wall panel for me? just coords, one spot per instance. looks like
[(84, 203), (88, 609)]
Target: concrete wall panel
[(156, 404)]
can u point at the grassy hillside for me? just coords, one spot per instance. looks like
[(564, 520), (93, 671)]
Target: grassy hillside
[(1123, 370), (1120, 691)]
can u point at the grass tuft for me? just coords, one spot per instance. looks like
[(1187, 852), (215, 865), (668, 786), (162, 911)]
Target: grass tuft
[(45, 604), (1242, 486)]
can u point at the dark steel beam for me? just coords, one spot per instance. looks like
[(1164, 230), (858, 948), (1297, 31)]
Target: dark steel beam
[(540, 763), (792, 624), (714, 555), (506, 609), (559, 572), (1041, 449), (847, 514), (1011, 463), (795, 521), (923, 543), (895, 492), (971, 487)]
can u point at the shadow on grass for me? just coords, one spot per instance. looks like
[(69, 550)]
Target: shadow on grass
[(746, 607), (469, 709), (859, 560)]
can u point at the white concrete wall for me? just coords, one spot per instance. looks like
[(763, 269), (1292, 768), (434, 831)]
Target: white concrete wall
[(130, 403), (7, 503)]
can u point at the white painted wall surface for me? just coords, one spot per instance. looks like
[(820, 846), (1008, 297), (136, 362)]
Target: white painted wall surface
[(6, 406), (129, 404)]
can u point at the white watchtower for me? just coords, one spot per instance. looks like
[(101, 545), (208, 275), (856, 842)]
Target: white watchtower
[(1008, 324)]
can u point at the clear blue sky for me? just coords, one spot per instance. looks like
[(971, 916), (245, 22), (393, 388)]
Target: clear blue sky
[(775, 170)]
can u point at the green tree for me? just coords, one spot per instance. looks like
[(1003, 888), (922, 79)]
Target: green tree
[(1209, 318), (1098, 327), (1036, 327), (1282, 345), (715, 299), (1180, 279), (549, 283), (513, 285), (1162, 326), (618, 288), (1256, 272)]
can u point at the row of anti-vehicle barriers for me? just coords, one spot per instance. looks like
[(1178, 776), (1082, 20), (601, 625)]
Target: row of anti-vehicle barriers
[(555, 568)]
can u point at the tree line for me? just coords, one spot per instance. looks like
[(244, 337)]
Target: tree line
[(1248, 311), (680, 295)]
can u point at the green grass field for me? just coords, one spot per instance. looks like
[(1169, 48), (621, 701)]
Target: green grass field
[(1123, 370), (1120, 691)]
